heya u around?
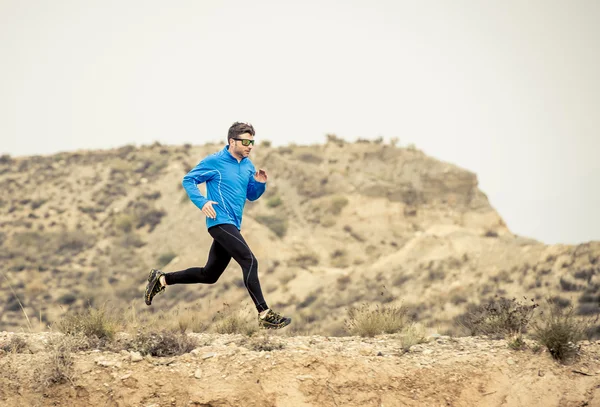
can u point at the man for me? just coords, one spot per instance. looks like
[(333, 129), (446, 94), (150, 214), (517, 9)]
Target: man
[(230, 179)]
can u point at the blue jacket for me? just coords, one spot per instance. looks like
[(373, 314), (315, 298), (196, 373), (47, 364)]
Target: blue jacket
[(228, 182)]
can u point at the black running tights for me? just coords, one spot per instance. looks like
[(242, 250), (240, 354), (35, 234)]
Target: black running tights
[(227, 243)]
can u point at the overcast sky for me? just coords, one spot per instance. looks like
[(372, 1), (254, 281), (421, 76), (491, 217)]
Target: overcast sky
[(509, 90)]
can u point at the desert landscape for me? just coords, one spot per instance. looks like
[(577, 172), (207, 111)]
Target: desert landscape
[(405, 286)]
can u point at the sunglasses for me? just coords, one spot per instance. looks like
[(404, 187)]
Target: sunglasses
[(245, 142)]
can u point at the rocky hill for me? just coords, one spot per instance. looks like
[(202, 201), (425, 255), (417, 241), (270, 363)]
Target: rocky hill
[(341, 224)]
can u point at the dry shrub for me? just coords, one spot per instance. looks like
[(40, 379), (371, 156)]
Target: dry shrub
[(57, 368), (498, 318), (277, 223), (305, 260), (412, 334), (274, 201), (234, 322), (92, 323), (339, 258), (264, 343), (16, 344), (559, 330), (367, 320), (336, 204), (517, 343), (124, 222), (49, 246), (162, 343), (165, 258)]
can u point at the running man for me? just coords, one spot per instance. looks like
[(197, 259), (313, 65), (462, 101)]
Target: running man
[(230, 178)]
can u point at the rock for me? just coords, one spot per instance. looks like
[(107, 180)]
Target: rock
[(136, 356), (427, 352), (510, 361), (198, 374), (303, 377), (164, 361), (209, 355), (108, 363)]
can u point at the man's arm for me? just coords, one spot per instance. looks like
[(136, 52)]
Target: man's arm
[(256, 185), (203, 172)]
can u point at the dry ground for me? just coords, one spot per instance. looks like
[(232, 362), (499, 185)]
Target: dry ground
[(236, 370)]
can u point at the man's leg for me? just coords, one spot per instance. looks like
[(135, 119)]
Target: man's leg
[(230, 238), (218, 259)]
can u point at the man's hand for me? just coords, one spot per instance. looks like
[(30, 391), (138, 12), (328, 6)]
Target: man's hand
[(208, 210), (261, 176)]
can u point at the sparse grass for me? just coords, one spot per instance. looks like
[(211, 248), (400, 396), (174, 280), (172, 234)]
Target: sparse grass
[(189, 321), (16, 297), (129, 240), (312, 297), (566, 285), (36, 203), (517, 343), (274, 201), (343, 281), (498, 318), (234, 322), (166, 258), (67, 299), (305, 260), (368, 320), (150, 217), (58, 367), (286, 276), (50, 247), (123, 222), (277, 223), (180, 319), (412, 334), (73, 242), (339, 258), (92, 323), (16, 344), (559, 330), (310, 158), (337, 204)]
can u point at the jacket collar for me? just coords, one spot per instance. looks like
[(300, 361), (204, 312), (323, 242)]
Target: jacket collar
[(228, 154)]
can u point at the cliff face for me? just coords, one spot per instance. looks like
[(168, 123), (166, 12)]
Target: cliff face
[(340, 224)]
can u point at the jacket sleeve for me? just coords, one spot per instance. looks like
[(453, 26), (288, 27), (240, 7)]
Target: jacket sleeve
[(255, 189), (203, 172)]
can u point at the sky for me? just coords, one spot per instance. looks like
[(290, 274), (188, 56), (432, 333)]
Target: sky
[(508, 90)]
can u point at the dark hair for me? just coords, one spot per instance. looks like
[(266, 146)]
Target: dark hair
[(238, 128)]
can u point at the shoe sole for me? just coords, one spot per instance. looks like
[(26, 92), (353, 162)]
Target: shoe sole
[(149, 288), (285, 323)]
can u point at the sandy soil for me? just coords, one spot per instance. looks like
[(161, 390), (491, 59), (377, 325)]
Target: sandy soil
[(226, 370)]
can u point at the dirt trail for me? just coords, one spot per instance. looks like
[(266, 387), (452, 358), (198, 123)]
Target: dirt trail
[(309, 371)]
